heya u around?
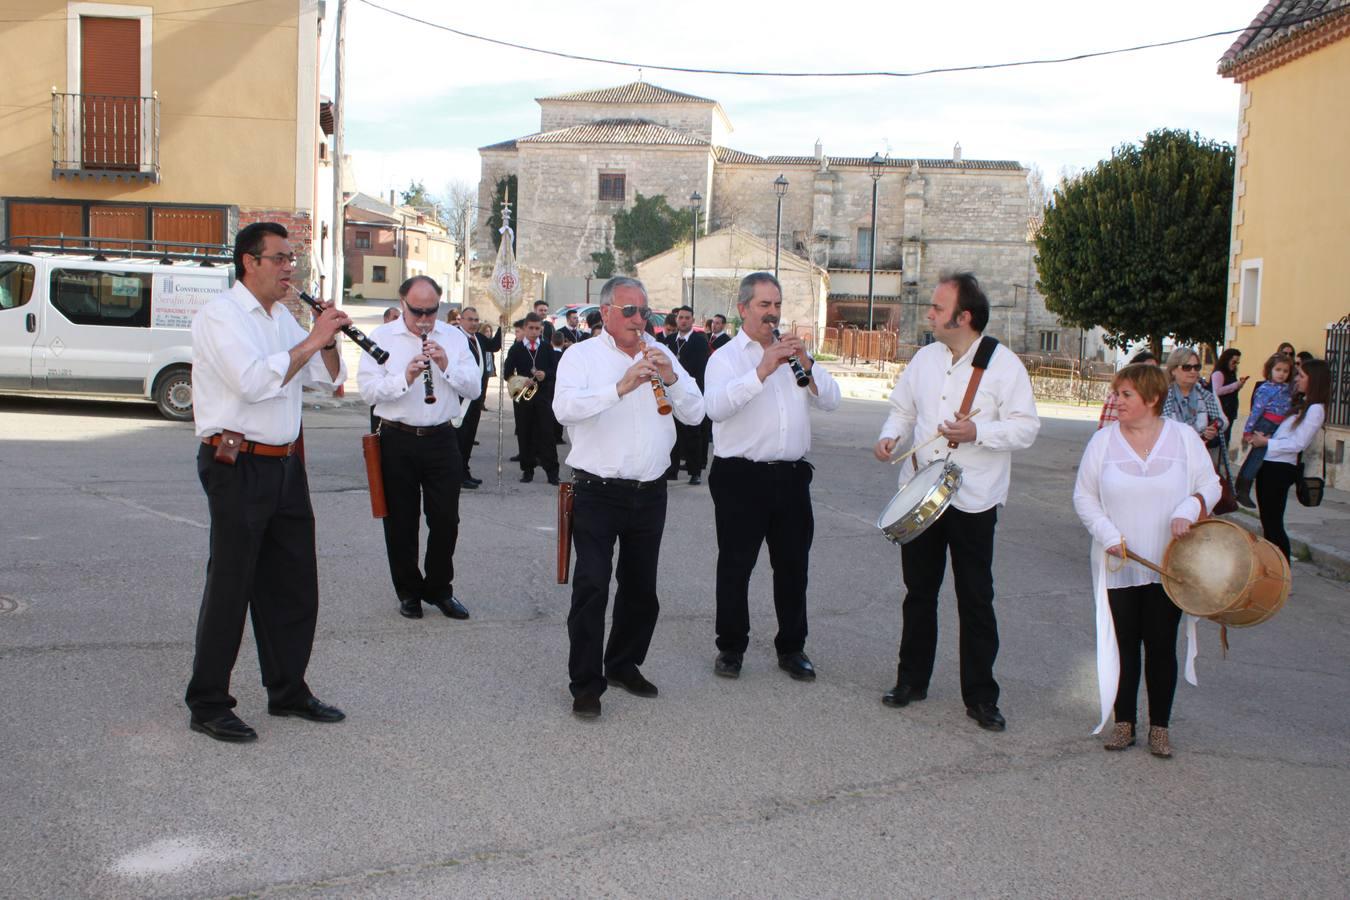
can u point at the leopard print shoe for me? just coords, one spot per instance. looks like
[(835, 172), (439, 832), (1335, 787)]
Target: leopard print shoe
[(1158, 744), (1122, 736)]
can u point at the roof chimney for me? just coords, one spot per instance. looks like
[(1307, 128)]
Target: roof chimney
[(820, 150), (956, 152), (392, 203)]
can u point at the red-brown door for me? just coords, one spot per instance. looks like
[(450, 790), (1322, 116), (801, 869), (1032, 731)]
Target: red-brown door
[(46, 220), (110, 88)]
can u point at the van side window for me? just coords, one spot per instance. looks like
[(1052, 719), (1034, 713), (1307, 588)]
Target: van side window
[(16, 284), (89, 297)]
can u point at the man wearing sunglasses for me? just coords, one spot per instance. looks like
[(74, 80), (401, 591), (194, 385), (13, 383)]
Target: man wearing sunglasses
[(250, 359), (419, 447), (621, 446)]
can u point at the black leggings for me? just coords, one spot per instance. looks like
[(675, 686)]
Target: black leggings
[(1144, 615), (1273, 481)]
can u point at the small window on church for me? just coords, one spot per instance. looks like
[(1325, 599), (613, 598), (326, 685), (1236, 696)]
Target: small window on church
[(612, 186), (1049, 341)]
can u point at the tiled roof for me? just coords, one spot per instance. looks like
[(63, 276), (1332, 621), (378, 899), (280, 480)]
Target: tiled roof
[(729, 156), (615, 131), (1271, 29), (502, 145), (633, 92)]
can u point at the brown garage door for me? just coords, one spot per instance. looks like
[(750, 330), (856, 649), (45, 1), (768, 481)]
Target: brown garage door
[(190, 226), (44, 219)]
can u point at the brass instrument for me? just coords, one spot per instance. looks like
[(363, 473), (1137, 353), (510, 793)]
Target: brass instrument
[(522, 388)]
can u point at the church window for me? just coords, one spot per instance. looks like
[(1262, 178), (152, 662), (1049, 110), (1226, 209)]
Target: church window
[(864, 248), (612, 186), (1049, 341)]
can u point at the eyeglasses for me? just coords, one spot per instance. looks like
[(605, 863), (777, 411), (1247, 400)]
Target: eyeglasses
[(631, 309), (1190, 367), (424, 313), (281, 259)]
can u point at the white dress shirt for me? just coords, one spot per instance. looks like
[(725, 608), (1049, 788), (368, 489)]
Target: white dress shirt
[(764, 421), (240, 355), (929, 393), (1289, 440), (613, 436), (386, 386)]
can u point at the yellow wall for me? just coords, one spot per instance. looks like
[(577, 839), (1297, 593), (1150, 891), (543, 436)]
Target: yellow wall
[(1294, 203), (376, 290), (227, 86)]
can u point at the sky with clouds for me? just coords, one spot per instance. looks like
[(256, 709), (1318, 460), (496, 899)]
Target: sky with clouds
[(420, 101)]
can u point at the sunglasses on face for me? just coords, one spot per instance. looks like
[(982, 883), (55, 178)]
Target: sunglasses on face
[(631, 310), (422, 313), (1190, 367)]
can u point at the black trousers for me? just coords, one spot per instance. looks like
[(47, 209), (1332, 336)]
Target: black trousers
[(970, 539), (535, 431), (690, 447), (1144, 616), (754, 503), (636, 518), (1273, 481), (262, 563), (421, 475), (468, 429)]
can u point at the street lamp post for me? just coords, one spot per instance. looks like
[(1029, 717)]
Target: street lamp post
[(875, 166), (696, 201), (780, 186)]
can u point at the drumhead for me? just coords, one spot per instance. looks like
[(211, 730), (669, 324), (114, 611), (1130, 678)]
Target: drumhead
[(912, 493), (1215, 566)]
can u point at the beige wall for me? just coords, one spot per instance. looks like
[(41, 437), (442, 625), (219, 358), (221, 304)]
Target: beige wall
[(228, 92), (1292, 192), (374, 290)]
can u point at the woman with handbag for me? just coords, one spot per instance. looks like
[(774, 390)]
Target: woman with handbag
[(1283, 465), (1142, 481)]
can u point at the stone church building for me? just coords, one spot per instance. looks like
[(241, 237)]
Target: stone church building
[(596, 150)]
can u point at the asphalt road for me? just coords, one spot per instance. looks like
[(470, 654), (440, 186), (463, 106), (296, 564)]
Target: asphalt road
[(461, 772)]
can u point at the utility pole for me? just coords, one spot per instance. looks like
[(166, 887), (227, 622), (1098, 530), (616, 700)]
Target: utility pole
[(339, 118)]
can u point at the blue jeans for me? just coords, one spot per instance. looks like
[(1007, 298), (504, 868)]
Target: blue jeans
[(1255, 455)]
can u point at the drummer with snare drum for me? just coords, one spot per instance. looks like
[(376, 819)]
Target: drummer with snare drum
[(975, 393)]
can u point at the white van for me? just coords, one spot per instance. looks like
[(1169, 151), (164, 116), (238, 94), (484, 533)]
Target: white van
[(97, 324)]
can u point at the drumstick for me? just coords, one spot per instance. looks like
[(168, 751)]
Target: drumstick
[(913, 450), (1154, 566)]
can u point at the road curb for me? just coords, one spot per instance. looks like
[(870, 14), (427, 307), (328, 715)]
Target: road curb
[(1331, 560)]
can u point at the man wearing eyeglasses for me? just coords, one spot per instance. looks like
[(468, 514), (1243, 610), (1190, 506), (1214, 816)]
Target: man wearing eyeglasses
[(419, 447), (250, 359), (620, 449)]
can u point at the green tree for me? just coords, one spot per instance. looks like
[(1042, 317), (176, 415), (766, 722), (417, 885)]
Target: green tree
[(1138, 245), (604, 262), (650, 227), (506, 188)]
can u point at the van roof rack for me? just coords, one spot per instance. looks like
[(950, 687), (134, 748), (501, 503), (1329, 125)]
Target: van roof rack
[(103, 249)]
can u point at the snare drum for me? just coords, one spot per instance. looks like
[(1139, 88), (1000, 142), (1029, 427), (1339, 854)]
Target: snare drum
[(920, 502)]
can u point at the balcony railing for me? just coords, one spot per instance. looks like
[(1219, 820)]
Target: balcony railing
[(97, 136)]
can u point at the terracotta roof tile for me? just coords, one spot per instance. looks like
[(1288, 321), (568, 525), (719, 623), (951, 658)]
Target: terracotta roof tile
[(734, 157), (1271, 29), (633, 92), (615, 131)]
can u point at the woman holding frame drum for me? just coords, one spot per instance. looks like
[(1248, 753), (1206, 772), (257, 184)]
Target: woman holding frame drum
[(1140, 484)]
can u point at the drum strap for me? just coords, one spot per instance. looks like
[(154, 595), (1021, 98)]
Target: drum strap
[(983, 354)]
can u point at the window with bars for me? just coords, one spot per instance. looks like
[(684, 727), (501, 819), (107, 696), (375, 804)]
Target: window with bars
[(1049, 341), (612, 186)]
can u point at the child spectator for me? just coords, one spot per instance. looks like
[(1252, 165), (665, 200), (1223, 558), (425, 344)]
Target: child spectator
[(1270, 405)]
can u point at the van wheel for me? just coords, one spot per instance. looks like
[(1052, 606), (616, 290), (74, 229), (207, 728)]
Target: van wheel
[(173, 395)]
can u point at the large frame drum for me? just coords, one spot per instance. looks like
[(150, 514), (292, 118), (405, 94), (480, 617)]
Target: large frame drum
[(1226, 574)]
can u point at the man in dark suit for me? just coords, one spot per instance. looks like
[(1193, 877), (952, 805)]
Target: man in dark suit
[(534, 357), (717, 335), (691, 349), (572, 332), (541, 310), (483, 349)]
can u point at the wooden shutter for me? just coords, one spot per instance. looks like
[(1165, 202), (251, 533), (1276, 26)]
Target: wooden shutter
[(45, 219), (110, 89), (197, 226), (118, 222)]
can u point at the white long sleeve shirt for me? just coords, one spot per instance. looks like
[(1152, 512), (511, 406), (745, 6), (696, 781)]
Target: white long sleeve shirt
[(1289, 440), (929, 393), (764, 421), (613, 436), (240, 354), (386, 386)]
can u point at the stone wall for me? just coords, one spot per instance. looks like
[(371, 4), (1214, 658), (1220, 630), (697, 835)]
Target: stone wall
[(563, 219), (496, 165), (691, 118)]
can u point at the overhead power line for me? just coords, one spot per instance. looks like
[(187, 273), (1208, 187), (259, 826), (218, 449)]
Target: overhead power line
[(578, 57)]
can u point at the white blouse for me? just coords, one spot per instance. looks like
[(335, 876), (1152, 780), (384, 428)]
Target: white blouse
[(1289, 440)]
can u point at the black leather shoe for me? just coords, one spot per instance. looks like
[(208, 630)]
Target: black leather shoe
[(311, 708), (987, 716), (728, 665), (903, 695), (515, 458), (410, 609), (470, 485), (451, 607), (798, 666), (586, 706), (469, 479), (553, 479), (695, 479), (225, 727), (527, 477), (633, 682)]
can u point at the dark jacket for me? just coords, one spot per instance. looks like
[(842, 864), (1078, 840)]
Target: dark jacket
[(693, 356), (546, 358)]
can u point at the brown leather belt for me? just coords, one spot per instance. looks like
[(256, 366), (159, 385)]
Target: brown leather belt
[(277, 451), (418, 430)]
